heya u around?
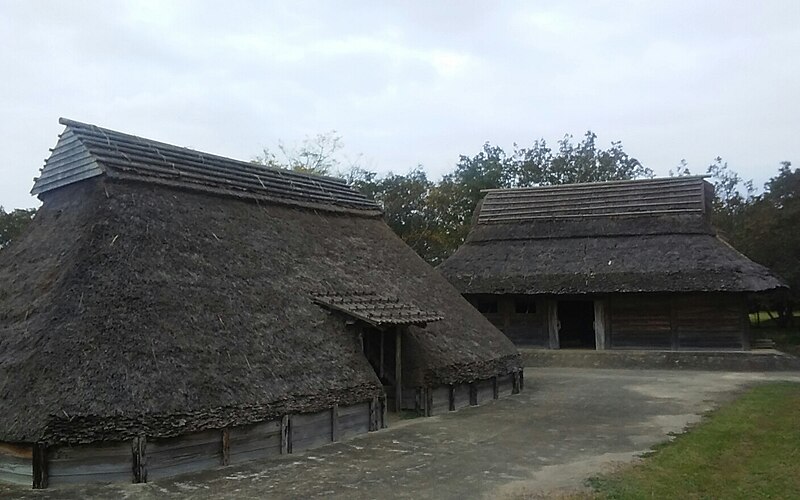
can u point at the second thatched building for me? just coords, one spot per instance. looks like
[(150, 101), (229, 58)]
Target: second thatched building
[(611, 265)]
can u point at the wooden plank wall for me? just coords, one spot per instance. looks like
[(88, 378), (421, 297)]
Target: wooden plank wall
[(484, 390), (461, 397), (311, 430), (182, 454), (712, 322), (159, 458), (440, 399), (505, 385), (90, 463), (640, 322), (686, 322), (353, 420), (411, 398), (525, 329), (16, 464), (254, 442)]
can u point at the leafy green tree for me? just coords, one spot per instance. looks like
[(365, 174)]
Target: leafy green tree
[(768, 232), (407, 209), (454, 199), (13, 223), (435, 217)]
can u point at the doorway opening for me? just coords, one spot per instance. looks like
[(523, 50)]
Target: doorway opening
[(576, 319), (380, 348)]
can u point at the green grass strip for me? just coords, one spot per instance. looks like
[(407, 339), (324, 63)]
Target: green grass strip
[(747, 449)]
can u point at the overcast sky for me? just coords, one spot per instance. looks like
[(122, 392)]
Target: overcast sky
[(406, 83)]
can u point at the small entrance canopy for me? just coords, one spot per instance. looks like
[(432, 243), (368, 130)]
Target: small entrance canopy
[(381, 312), (378, 310)]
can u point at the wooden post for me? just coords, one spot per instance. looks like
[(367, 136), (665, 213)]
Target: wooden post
[(286, 435), (552, 323), (384, 423), (335, 422), (226, 447), (374, 414), (139, 449), (600, 325), (451, 396), (39, 466), (398, 370), (428, 401), (495, 389), (473, 394)]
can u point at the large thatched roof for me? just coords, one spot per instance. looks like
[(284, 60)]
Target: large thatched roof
[(651, 235), (132, 306)]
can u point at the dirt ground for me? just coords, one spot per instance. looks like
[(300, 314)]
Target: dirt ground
[(568, 425)]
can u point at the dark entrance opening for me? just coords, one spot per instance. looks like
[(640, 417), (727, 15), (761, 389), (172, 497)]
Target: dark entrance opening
[(380, 348), (576, 318)]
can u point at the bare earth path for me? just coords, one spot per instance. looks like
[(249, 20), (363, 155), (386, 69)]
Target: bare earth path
[(567, 425)]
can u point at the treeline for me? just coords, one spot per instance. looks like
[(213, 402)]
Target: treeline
[(763, 226), (434, 217)]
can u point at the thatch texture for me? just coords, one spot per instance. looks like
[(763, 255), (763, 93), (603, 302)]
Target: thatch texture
[(666, 249), (132, 308)]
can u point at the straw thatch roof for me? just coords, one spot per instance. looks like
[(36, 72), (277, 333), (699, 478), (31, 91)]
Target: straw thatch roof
[(164, 304), (651, 235)]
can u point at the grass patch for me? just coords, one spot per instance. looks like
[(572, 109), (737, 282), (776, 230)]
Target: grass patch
[(747, 449)]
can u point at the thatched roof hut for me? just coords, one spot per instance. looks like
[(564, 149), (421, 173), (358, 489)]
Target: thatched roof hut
[(161, 291), (632, 240)]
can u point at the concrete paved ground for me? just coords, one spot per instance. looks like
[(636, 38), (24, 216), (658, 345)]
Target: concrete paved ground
[(568, 425)]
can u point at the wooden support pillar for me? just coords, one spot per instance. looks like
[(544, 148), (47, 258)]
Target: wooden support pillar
[(286, 434), (398, 370), (335, 422), (552, 323), (139, 450), (451, 396), (600, 324), (374, 410), (384, 422), (495, 389), (226, 446), (428, 401), (39, 466), (473, 394)]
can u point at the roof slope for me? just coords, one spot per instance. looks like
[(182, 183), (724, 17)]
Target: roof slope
[(132, 307), (85, 151), (651, 235), (376, 309)]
